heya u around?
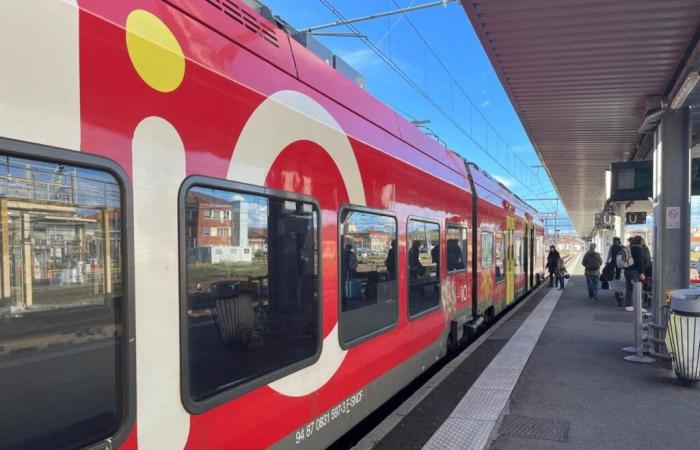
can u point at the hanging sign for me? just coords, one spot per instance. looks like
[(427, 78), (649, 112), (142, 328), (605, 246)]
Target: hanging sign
[(604, 221), (631, 180), (635, 218)]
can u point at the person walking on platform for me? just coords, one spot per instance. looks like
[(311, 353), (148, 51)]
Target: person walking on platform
[(612, 256), (632, 260), (552, 263), (592, 262)]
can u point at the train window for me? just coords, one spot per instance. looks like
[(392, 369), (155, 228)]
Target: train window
[(456, 248), (500, 257), (486, 249), (423, 266), (368, 266), (252, 291), (62, 338)]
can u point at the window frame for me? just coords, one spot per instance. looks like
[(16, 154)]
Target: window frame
[(50, 154), (379, 212), (493, 249), (458, 226), (439, 278), (198, 407), (504, 257)]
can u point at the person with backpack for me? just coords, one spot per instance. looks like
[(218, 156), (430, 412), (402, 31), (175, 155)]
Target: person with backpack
[(592, 262), (632, 260), (612, 256), (553, 258)]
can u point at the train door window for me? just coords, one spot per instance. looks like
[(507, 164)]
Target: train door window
[(500, 257), (486, 249), (63, 333), (252, 296), (456, 248), (368, 263), (540, 251), (518, 257), (423, 266)]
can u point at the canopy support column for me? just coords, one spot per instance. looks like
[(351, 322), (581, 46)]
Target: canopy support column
[(671, 206)]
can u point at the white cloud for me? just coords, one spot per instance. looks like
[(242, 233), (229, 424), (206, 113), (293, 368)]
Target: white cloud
[(521, 148), (486, 103), (507, 182), (360, 59)]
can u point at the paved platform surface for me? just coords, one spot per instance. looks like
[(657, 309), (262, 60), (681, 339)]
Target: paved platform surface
[(574, 391)]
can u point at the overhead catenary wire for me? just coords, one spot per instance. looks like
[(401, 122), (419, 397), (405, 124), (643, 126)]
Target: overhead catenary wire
[(426, 96)]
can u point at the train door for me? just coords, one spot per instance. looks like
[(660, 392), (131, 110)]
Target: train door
[(533, 262), (526, 258), (510, 260), (457, 263)]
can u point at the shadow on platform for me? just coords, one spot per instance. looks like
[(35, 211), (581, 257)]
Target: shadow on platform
[(577, 391)]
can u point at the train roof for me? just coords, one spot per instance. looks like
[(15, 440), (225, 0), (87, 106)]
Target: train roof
[(485, 183), (320, 74), (274, 43)]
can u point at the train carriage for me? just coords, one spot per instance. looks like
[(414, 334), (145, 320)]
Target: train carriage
[(212, 239)]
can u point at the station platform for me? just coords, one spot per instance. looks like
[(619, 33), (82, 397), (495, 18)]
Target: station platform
[(550, 374)]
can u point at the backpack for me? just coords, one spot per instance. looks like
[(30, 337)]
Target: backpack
[(590, 261), (624, 259)]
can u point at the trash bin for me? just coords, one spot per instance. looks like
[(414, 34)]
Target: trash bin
[(683, 334), (234, 316)]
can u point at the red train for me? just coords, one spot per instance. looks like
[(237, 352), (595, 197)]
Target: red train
[(212, 239)]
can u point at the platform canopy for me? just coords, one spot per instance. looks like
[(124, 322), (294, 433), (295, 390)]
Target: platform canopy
[(582, 76)]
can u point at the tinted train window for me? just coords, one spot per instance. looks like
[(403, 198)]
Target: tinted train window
[(500, 257), (423, 266), (456, 248), (62, 336), (252, 287), (368, 263), (486, 249)]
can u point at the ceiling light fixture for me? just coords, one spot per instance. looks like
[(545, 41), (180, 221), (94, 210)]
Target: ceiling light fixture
[(686, 89)]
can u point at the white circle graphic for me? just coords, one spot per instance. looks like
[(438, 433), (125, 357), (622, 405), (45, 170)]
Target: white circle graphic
[(280, 120)]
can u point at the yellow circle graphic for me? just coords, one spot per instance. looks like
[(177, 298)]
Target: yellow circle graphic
[(154, 51)]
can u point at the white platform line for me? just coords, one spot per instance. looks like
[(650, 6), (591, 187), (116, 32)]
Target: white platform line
[(471, 422), (380, 431)]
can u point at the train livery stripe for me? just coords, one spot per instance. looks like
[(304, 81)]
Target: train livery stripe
[(162, 420), (40, 82)]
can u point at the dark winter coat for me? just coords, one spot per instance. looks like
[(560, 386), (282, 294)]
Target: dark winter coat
[(553, 261)]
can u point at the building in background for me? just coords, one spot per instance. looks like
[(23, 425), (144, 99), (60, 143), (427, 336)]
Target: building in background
[(217, 230)]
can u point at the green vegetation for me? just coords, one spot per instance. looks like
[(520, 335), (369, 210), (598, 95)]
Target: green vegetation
[(206, 274)]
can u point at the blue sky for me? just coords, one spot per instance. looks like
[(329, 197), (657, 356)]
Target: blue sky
[(448, 31)]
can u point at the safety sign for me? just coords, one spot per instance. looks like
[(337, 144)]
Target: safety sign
[(673, 217)]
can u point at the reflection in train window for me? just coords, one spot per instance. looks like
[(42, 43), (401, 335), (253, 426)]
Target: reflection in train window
[(423, 266), (368, 264), (62, 342), (252, 287), (456, 248), (486, 249), (500, 257)]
